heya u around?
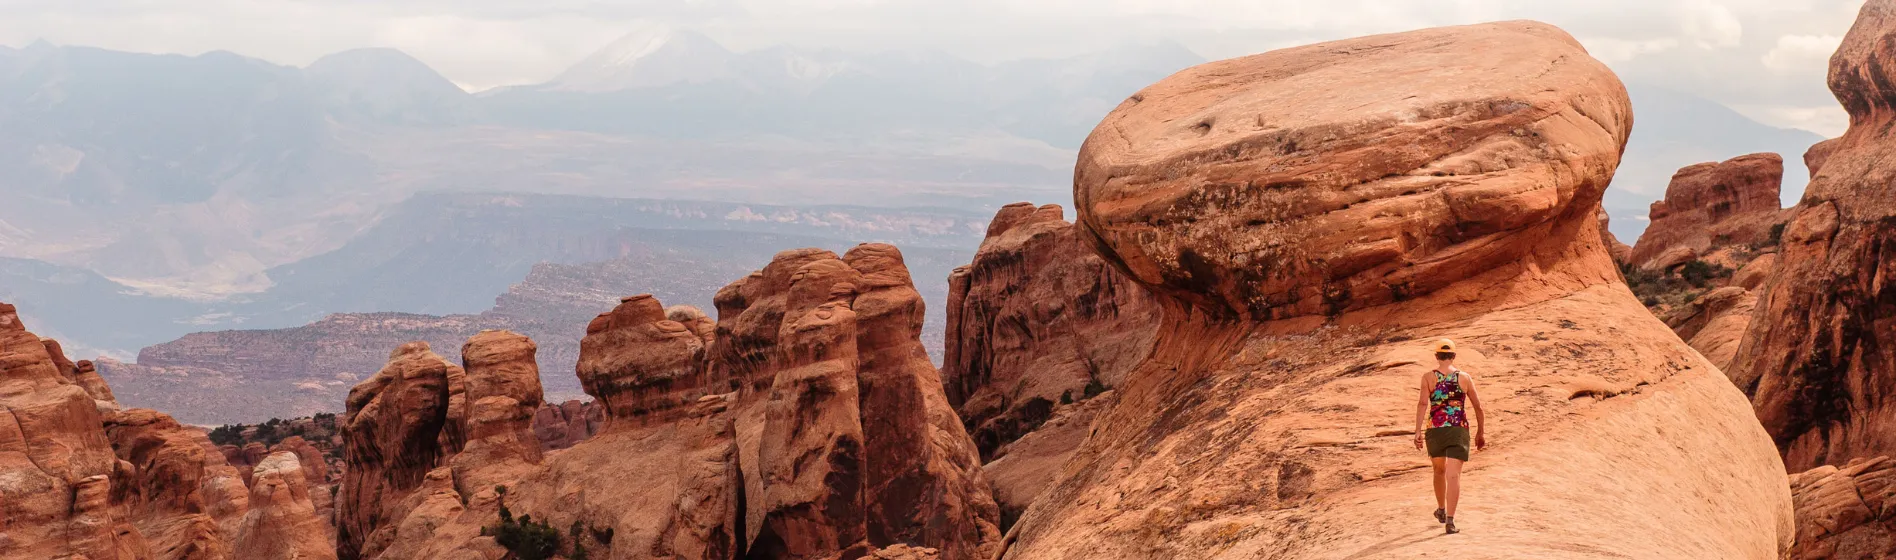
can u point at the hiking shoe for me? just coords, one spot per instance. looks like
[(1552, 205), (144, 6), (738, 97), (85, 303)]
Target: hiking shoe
[(1441, 515), (1451, 526)]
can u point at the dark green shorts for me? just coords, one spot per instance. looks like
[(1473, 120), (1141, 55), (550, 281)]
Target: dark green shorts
[(1448, 442)]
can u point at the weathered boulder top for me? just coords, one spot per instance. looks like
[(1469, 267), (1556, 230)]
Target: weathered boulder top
[(1385, 166)]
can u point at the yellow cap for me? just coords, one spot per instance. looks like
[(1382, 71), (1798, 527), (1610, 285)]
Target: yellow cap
[(1445, 345)]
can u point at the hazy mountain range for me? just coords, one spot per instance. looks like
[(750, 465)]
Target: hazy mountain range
[(148, 196)]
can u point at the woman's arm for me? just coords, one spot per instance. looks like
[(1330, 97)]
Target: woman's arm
[(1421, 409), (1474, 402)]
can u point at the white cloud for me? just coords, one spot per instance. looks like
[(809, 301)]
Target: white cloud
[(1758, 52), (1795, 52), (1711, 25), (1827, 120)]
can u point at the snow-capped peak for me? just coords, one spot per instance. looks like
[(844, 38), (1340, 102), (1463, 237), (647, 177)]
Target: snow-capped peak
[(651, 55), (644, 39)]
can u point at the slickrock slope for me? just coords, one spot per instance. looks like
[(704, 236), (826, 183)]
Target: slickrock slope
[(1711, 206), (841, 427), (1027, 466), (1715, 323), (1846, 513), (1822, 354), (1038, 319), (1309, 218)]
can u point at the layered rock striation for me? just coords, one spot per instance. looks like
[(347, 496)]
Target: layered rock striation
[(1847, 512), (1038, 320), (1306, 218)]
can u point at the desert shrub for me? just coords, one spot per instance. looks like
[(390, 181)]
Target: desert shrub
[(525, 538), (1700, 273), (228, 434), (267, 433), (579, 548)]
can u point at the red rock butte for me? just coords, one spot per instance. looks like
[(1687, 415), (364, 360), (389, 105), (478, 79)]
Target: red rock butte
[(1710, 206), (1306, 217)]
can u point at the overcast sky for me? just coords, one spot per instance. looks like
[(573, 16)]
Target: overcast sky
[(1765, 58)]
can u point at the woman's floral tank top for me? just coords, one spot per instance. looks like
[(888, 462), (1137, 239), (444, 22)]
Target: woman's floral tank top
[(1445, 402)]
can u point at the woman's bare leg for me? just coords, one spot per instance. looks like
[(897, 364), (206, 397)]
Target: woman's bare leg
[(1451, 479), (1440, 487)]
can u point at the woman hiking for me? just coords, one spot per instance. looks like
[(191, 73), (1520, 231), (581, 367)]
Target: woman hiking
[(1444, 391)]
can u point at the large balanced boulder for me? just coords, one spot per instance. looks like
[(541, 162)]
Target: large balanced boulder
[(639, 364), (1820, 359), (1308, 219), (1037, 320)]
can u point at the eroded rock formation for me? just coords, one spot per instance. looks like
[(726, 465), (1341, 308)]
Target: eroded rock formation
[(85, 479), (1038, 319), (1710, 206), (639, 364), (497, 401), (827, 436), (1305, 218), (282, 521), (182, 496), (55, 455), (568, 423), (1620, 252), (1821, 357), (1847, 512), (393, 435), (1818, 154)]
